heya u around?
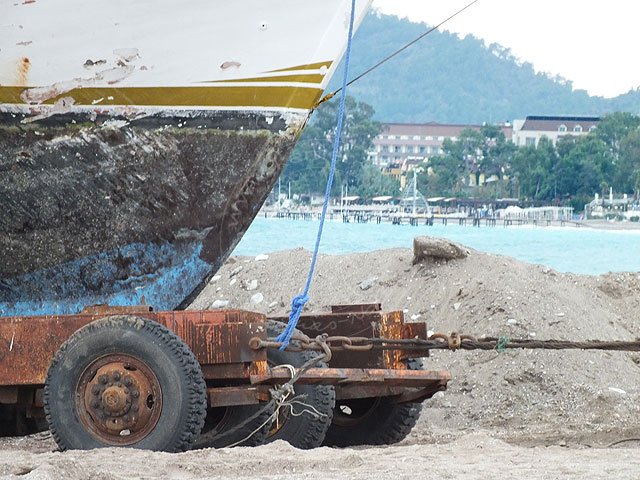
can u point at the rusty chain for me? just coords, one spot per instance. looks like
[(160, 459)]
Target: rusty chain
[(441, 341)]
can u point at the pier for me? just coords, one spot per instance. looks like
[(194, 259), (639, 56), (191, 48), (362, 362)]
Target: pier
[(400, 218)]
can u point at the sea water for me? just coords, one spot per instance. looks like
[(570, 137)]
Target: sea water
[(566, 249)]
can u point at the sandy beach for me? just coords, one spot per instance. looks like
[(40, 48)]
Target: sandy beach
[(525, 414)]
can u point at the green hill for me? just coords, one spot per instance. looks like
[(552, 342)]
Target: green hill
[(447, 79)]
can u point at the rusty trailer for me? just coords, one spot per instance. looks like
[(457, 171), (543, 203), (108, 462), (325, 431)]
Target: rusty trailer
[(130, 376)]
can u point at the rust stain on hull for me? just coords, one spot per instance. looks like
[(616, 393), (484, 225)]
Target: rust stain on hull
[(24, 65)]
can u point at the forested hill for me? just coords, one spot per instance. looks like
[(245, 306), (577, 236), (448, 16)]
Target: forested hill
[(446, 79)]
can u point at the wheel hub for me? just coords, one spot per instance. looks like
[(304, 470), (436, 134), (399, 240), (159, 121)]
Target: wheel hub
[(119, 399)]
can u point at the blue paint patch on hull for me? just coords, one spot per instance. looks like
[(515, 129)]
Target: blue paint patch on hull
[(161, 274)]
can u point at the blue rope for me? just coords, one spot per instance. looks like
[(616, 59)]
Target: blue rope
[(299, 301)]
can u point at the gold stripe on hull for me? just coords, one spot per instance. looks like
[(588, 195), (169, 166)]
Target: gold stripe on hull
[(315, 79), (219, 96), (309, 66)]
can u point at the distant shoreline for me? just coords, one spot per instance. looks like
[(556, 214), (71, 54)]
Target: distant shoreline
[(607, 225)]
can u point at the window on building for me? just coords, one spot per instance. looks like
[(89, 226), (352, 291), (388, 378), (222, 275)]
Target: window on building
[(416, 137), (531, 141), (562, 128), (577, 129), (423, 149), (592, 128), (441, 138), (404, 137), (397, 149), (385, 148)]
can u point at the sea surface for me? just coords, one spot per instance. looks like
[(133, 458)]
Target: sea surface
[(566, 249)]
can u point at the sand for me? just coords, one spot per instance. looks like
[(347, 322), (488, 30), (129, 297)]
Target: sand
[(531, 414)]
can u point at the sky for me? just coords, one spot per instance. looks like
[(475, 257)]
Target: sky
[(593, 43)]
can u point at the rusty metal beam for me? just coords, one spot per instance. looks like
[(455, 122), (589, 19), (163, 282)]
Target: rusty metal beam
[(219, 337), (357, 308), (359, 376), (230, 396)]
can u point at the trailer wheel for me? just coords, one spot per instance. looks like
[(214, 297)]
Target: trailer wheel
[(302, 431), (128, 382), (373, 421)]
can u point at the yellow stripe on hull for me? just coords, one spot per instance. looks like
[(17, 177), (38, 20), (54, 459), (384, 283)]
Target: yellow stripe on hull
[(219, 96), (315, 79)]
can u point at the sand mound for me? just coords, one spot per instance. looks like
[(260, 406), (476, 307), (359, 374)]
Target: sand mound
[(522, 396)]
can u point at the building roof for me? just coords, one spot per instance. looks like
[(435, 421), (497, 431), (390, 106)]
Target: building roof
[(552, 123), (434, 129)]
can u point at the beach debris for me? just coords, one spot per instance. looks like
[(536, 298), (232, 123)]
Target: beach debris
[(457, 305), (215, 278), (220, 304), (233, 282), (261, 258), (512, 321), (251, 285), (368, 283), (257, 298), (235, 271), (619, 391), (435, 248)]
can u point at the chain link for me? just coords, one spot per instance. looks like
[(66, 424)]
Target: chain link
[(439, 341)]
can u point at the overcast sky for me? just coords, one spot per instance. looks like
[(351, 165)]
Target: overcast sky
[(593, 43)]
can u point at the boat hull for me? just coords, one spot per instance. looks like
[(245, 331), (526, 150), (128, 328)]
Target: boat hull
[(124, 213), (137, 143)]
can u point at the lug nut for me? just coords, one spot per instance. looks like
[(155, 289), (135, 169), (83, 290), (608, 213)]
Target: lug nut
[(95, 390), (116, 376), (127, 381), (103, 379)]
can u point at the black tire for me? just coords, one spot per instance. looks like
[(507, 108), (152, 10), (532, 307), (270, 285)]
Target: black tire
[(125, 381), (242, 426), (303, 431), (373, 421)]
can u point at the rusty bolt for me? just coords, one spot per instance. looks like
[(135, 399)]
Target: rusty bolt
[(116, 376), (95, 404), (95, 390), (135, 393), (127, 381), (103, 379)]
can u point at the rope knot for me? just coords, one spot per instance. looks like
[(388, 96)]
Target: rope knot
[(298, 303)]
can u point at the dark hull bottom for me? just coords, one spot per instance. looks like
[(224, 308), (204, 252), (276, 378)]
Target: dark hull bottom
[(94, 212)]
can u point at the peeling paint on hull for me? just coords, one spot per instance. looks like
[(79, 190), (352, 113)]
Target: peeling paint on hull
[(110, 210)]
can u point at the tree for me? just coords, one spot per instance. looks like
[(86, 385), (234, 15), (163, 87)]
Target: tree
[(309, 165), (629, 166), (484, 151), (535, 170)]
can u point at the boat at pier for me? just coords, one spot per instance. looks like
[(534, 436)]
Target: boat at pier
[(138, 140)]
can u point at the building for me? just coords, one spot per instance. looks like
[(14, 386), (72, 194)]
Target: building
[(529, 131), (410, 145)]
